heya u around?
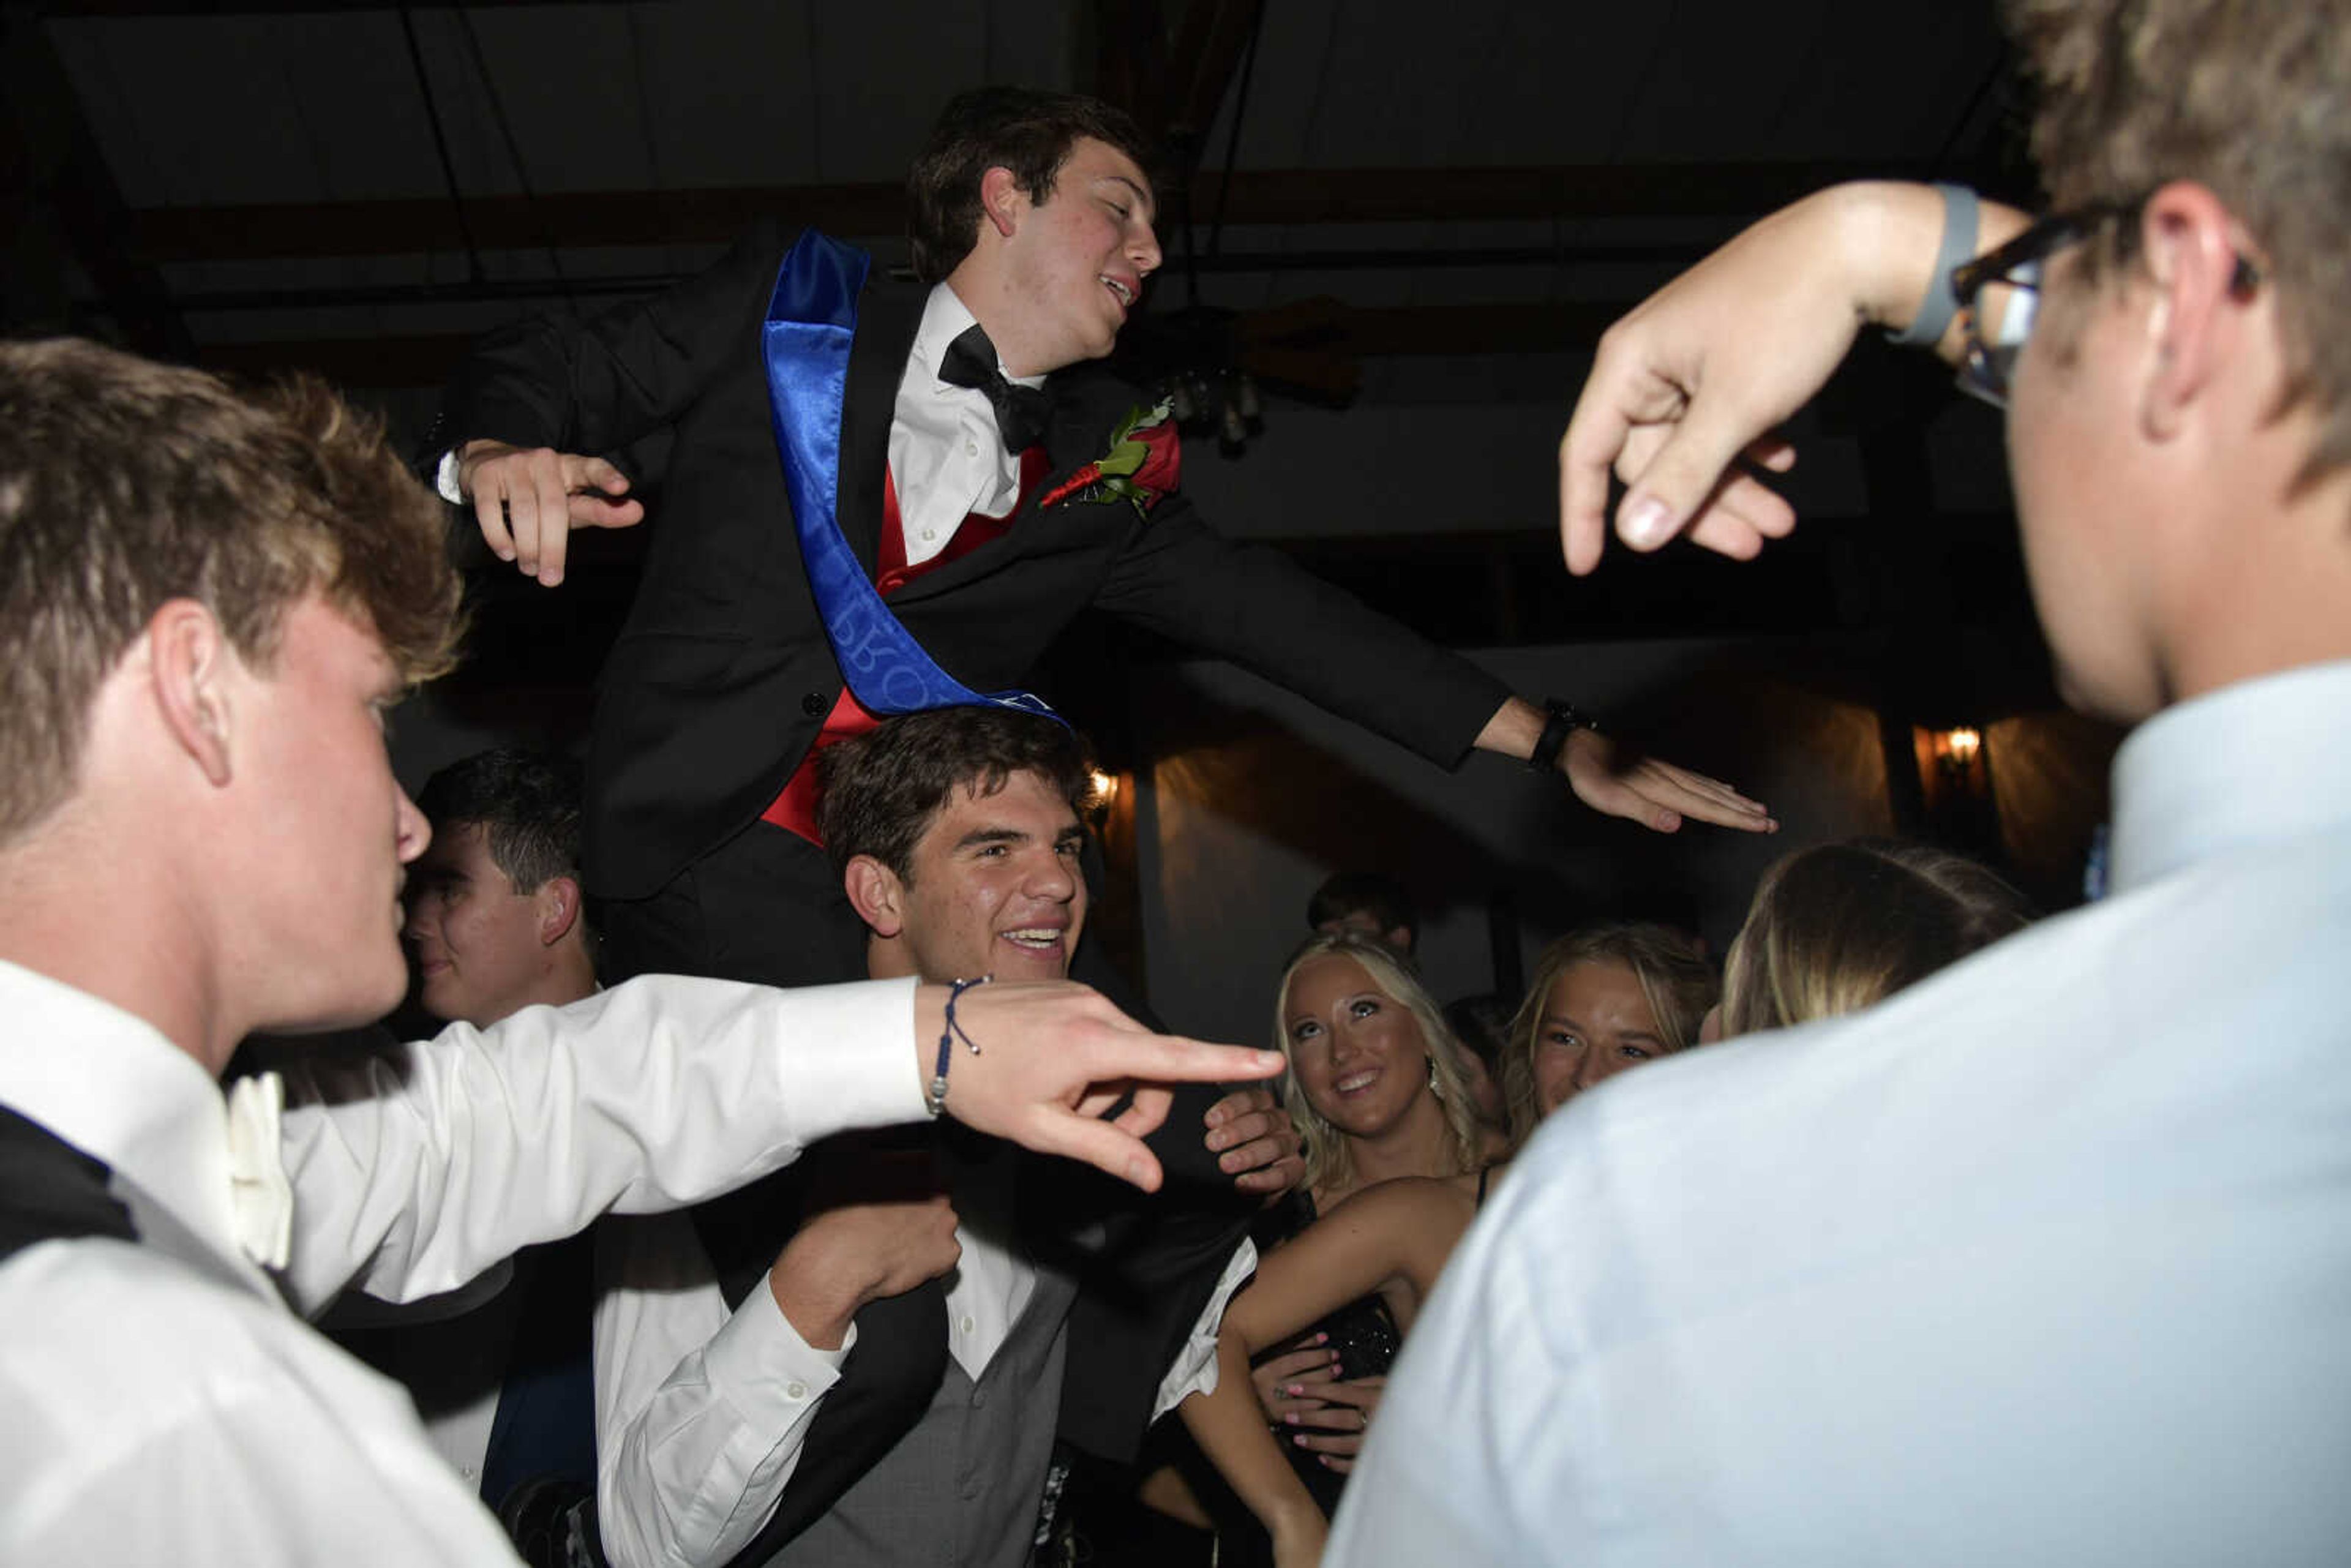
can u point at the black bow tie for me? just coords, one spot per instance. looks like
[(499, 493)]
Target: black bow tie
[(1022, 412)]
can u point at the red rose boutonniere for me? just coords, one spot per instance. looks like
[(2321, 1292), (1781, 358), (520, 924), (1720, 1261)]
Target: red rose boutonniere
[(1145, 452)]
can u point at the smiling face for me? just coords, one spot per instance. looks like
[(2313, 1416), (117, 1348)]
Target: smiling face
[(1357, 1053), (1054, 280), (994, 887), (1597, 1022), (321, 939)]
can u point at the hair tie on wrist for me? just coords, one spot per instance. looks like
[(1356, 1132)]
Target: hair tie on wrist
[(1958, 244), (934, 1095)]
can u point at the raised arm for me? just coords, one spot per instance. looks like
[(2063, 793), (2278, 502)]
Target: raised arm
[(1700, 374), (1397, 1233), (414, 1173)]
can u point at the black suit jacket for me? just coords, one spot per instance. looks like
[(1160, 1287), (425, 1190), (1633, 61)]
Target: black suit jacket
[(722, 675)]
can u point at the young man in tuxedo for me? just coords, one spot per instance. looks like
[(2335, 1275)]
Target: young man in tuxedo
[(207, 602), (758, 1437), (1032, 221), (2043, 1261)]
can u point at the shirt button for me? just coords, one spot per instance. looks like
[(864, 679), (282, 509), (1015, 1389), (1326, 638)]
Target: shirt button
[(979, 1398), (971, 1492), (967, 1327), (929, 534), (813, 705), (971, 449), (795, 1389)]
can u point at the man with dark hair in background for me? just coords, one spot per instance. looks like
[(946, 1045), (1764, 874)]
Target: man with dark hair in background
[(499, 1368), (494, 914), (2044, 1260)]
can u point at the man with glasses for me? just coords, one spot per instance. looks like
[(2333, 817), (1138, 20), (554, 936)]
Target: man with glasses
[(2047, 1261)]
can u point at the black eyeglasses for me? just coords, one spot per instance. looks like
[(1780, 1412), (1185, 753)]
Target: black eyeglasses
[(1990, 362)]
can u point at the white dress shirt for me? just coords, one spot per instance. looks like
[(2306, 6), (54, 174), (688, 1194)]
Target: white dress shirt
[(2045, 1260), (948, 459), (157, 1413)]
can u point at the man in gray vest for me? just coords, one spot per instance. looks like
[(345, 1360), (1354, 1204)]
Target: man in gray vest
[(959, 836)]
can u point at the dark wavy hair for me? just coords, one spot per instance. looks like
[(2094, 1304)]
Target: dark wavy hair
[(881, 789), (527, 804), (1026, 130)]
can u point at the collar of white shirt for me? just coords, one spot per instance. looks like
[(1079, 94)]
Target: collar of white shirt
[(947, 459), (2257, 762), (113, 1087)]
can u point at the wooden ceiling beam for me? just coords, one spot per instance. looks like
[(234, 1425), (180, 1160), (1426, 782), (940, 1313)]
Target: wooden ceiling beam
[(244, 233), (426, 359)]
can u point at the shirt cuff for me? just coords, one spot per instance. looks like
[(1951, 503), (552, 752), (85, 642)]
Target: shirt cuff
[(763, 1367), (850, 1049), (444, 479), (1194, 1370)]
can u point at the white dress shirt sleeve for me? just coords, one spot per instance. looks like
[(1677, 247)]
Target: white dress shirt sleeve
[(414, 1172), (700, 1413), (1194, 1370)]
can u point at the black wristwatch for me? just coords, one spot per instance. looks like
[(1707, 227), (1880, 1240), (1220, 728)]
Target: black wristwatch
[(1559, 719)]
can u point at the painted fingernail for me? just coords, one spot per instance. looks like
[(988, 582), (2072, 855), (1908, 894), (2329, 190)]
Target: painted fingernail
[(1295, 1390), (1646, 522)]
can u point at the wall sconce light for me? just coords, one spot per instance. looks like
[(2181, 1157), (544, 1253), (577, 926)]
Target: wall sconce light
[(1106, 790), (1959, 756)]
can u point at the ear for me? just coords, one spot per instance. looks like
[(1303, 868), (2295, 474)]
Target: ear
[(189, 664), (2199, 323), (559, 908), (876, 893), (1001, 200)]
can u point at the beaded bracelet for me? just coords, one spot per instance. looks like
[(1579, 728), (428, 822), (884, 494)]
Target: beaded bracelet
[(935, 1095)]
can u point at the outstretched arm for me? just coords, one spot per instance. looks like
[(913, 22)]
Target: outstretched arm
[(1399, 1231), (1697, 377)]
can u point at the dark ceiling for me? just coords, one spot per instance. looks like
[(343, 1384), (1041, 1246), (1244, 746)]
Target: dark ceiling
[(1371, 203)]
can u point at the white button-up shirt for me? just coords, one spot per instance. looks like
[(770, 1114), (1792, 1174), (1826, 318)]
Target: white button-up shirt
[(154, 1412), (2045, 1260)]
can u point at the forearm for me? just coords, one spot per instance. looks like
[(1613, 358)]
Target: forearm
[(1254, 606), (1229, 1425), (701, 1413), (416, 1173)]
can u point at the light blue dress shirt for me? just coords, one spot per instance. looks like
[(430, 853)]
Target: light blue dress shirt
[(2047, 1261)]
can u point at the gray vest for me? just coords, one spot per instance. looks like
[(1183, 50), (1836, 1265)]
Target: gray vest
[(961, 1490)]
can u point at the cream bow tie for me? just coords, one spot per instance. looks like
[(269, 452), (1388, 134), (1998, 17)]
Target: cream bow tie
[(261, 1200)]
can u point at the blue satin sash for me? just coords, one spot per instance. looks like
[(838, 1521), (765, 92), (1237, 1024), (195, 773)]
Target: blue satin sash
[(811, 321)]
